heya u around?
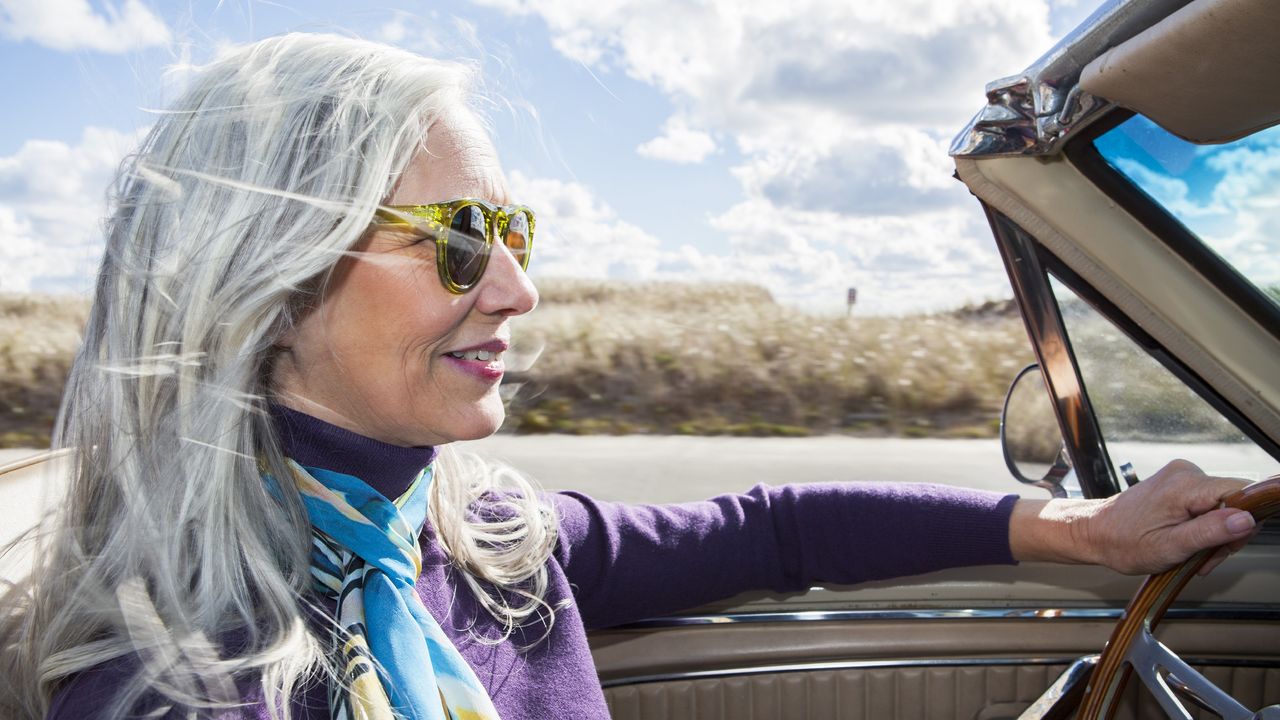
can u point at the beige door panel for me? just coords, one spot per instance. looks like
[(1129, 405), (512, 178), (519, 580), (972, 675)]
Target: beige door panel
[(1247, 577), (966, 643), (629, 655), (940, 692)]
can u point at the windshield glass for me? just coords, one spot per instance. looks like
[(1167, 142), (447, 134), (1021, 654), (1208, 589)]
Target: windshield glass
[(1147, 415), (1228, 195)]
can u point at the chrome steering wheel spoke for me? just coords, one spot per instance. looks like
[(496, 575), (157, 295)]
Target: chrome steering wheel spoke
[(1169, 679)]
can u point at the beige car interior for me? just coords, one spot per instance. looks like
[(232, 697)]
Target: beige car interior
[(983, 643), (919, 692), (1206, 73), (867, 663)]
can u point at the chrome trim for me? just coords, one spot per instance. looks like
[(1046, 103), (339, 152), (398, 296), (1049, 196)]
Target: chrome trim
[(1130, 475), (831, 665), (1052, 346), (1063, 696), (874, 664), (1037, 110), (1149, 657), (1249, 613), (36, 459)]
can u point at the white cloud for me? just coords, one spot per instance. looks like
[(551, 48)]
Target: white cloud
[(739, 64), (52, 202), (804, 258), (809, 258), (679, 143), (73, 25), (841, 111), (1247, 193), (886, 170), (433, 34), (578, 235), (396, 28), (1169, 191), (1239, 216)]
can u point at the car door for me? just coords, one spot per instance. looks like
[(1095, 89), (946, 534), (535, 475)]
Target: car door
[(1152, 345)]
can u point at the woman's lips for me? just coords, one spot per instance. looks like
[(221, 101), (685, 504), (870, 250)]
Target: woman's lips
[(491, 369), (483, 361)]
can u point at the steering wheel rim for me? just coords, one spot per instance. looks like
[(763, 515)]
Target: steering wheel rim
[(1132, 645)]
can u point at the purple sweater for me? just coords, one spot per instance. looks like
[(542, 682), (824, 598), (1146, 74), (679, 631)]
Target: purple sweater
[(620, 563)]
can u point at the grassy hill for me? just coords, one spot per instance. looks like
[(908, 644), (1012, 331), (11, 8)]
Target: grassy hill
[(702, 359), (722, 358), (657, 358)]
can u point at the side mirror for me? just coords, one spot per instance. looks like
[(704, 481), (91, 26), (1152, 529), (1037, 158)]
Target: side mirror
[(1029, 435)]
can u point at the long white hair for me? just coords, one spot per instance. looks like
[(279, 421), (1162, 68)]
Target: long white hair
[(225, 226)]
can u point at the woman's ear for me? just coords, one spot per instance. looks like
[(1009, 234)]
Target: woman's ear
[(301, 305), (287, 326), (288, 337)]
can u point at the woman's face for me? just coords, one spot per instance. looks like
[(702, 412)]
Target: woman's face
[(378, 356)]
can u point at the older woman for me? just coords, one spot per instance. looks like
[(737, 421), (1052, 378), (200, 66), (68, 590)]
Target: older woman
[(310, 278)]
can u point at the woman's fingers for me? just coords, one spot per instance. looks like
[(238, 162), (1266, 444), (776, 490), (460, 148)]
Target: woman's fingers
[(1234, 546), (1214, 528), (1149, 528), (1169, 517)]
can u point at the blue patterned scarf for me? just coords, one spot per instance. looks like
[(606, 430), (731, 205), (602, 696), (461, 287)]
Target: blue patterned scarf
[(396, 661)]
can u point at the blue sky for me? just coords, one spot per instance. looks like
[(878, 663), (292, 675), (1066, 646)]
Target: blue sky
[(1226, 194), (799, 145)]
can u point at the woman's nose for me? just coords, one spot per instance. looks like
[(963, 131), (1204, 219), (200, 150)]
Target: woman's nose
[(505, 288)]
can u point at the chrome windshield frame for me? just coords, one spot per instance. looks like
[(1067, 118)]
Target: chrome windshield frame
[(1036, 111), (1052, 346)]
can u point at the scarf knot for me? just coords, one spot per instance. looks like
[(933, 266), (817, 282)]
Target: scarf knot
[(396, 660)]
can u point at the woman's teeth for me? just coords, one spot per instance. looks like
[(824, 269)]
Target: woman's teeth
[(481, 355)]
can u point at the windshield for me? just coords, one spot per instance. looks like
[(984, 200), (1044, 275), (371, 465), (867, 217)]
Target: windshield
[(1228, 195)]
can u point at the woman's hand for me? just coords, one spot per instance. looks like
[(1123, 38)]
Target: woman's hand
[(1146, 529)]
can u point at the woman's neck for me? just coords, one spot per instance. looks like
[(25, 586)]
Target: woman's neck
[(315, 443)]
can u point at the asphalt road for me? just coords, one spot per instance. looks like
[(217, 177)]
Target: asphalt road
[(652, 469), (677, 468), (643, 468)]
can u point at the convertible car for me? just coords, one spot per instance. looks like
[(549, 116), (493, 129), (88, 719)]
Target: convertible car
[(1131, 178)]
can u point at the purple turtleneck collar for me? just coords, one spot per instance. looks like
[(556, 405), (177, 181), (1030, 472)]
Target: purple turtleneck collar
[(313, 442)]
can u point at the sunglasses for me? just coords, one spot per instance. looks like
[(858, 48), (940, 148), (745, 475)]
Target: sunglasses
[(464, 231)]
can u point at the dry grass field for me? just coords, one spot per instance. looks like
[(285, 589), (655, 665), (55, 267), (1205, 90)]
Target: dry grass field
[(716, 360), (38, 337), (726, 359), (659, 358)]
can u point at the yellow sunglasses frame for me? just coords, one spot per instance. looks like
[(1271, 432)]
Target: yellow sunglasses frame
[(437, 218)]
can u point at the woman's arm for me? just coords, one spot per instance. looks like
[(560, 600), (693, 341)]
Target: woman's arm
[(1148, 528), (633, 561), (627, 562)]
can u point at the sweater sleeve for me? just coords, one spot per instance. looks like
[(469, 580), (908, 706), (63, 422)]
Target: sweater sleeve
[(628, 562)]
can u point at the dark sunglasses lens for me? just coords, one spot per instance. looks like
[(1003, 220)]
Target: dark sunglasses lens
[(464, 254), (517, 239)]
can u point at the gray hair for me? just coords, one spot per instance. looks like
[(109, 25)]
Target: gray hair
[(226, 223)]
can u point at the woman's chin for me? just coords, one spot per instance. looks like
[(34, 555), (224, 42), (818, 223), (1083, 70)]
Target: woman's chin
[(483, 421)]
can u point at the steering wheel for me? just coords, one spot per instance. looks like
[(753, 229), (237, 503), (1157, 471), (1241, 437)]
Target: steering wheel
[(1132, 646)]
